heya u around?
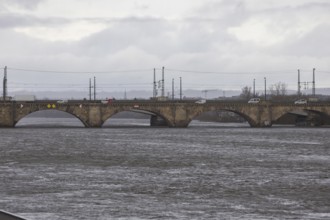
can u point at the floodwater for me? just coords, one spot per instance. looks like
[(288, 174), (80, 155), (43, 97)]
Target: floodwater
[(205, 171)]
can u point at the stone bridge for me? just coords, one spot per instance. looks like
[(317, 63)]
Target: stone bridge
[(171, 113)]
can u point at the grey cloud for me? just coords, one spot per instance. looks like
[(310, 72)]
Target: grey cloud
[(234, 12), (159, 37), (227, 13), (26, 4), (17, 20), (313, 44), (25, 51), (150, 35), (196, 41), (130, 19), (287, 11)]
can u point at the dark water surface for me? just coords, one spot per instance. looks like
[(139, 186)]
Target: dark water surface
[(206, 171)]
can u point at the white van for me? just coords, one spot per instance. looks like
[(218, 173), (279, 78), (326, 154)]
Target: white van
[(201, 101), (254, 101), (62, 101), (300, 102)]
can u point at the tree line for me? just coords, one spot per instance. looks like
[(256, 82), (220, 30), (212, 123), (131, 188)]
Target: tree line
[(275, 92)]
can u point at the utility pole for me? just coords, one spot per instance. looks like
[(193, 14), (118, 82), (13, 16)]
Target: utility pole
[(205, 93), (254, 87), (313, 91), (90, 89), (94, 88), (172, 89), (163, 84), (5, 84), (154, 86), (180, 88), (265, 89), (299, 86)]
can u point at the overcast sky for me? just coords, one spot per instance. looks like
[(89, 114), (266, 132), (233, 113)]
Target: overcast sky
[(211, 44)]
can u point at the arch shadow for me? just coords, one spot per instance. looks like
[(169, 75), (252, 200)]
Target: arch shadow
[(227, 118), (311, 118), (132, 118)]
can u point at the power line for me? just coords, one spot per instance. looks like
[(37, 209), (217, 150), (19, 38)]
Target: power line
[(82, 72), (151, 69), (137, 85), (169, 69), (76, 84), (320, 71), (228, 72)]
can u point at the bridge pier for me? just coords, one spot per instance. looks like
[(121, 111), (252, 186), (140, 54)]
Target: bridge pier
[(7, 115), (177, 116), (262, 124), (94, 116), (157, 121), (262, 116)]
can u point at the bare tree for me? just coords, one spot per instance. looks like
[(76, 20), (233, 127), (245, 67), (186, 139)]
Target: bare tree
[(278, 90), (246, 93)]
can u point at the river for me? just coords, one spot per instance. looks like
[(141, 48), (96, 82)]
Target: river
[(133, 171)]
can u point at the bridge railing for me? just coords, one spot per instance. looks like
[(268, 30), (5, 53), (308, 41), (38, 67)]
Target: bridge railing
[(146, 101)]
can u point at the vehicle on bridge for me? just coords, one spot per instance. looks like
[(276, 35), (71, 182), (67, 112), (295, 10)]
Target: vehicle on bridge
[(107, 101), (201, 101), (300, 102), (254, 101), (62, 101)]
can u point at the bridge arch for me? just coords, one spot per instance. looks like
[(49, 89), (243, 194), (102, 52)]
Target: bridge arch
[(280, 112), (315, 116), (109, 114), (48, 113), (246, 117)]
